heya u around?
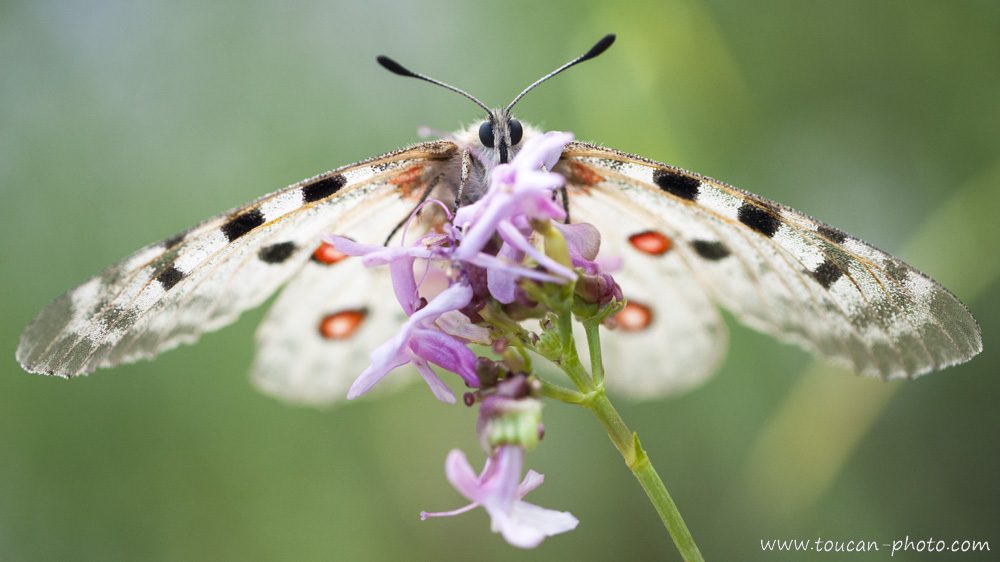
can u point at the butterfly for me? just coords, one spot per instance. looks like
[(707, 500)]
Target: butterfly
[(688, 244)]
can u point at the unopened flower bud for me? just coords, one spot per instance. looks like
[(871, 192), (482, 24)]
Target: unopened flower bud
[(488, 372), (509, 421), (599, 288)]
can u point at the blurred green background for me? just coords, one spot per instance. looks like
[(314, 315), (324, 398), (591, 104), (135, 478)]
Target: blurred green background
[(122, 123)]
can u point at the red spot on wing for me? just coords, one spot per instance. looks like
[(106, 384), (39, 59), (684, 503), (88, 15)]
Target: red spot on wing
[(327, 254), (411, 181), (634, 317), (342, 325), (651, 242), (409, 176), (584, 174)]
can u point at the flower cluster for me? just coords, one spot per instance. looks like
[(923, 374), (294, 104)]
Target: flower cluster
[(488, 258)]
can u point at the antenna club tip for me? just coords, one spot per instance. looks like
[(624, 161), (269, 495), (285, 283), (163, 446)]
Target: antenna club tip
[(393, 66), (600, 47)]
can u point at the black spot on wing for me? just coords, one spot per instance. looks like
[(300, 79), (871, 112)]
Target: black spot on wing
[(827, 273), (173, 240), (276, 253), (241, 224), (831, 234), (712, 250), (169, 277), (323, 188), (760, 219), (685, 187)]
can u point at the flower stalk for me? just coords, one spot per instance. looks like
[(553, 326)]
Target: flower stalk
[(638, 462), (591, 395)]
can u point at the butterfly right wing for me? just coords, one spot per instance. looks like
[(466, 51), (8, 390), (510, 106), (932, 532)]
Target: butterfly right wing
[(786, 274), (671, 336), (173, 291)]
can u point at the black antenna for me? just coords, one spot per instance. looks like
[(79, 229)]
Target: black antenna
[(597, 49), (396, 68)]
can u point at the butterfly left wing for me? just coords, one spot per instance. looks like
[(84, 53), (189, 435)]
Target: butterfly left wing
[(316, 338), (317, 335), (784, 273), (173, 291)]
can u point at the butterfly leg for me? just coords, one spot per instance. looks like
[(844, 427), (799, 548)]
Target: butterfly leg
[(565, 201), (423, 197), (466, 170)]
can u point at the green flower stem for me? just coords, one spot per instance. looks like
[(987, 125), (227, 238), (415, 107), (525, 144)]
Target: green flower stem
[(592, 328), (565, 331), (590, 388), (561, 393), (592, 396), (637, 461), (570, 364)]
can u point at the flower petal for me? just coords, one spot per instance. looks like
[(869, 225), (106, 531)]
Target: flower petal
[(542, 150), (385, 358), (514, 237), (456, 297), (454, 323), (531, 481), (446, 352), (461, 476), (583, 240), (374, 254), (481, 219), (529, 524), (502, 281), (489, 262), (501, 486), (516, 533), (350, 247), (522, 524), (403, 284), (438, 387)]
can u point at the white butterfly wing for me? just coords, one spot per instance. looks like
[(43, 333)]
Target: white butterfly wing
[(684, 340), (295, 361), (782, 272), (173, 291), (302, 360), (776, 269)]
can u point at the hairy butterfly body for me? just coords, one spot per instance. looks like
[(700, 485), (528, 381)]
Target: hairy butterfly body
[(688, 243)]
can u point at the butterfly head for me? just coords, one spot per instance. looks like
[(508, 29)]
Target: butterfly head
[(499, 133)]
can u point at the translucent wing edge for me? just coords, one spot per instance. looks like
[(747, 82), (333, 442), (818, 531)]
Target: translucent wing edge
[(92, 307), (948, 312)]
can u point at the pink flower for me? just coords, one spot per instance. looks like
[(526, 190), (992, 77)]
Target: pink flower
[(519, 192), (583, 241), (496, 489), (419, 341), (521, 195)]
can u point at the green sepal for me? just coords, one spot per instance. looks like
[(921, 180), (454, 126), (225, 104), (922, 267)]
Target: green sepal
[(513, 422)]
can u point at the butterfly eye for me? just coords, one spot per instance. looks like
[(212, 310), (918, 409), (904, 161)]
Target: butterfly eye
[(486, 134), (515, 131)]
